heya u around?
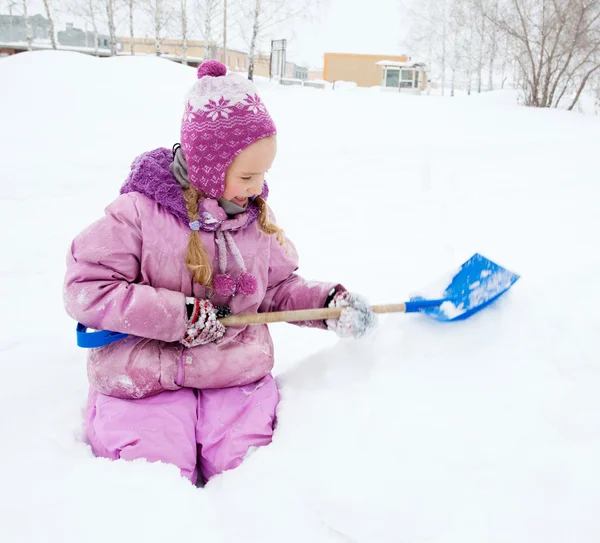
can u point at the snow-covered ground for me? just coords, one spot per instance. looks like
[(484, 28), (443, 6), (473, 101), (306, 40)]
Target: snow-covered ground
[(486, 430)]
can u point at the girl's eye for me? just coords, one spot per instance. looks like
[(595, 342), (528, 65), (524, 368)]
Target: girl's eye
[(247, 178)]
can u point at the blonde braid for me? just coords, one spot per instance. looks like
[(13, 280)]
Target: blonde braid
[(196, 259)]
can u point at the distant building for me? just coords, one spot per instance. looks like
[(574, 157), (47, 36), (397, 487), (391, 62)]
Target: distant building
[(13, 40), (76, 37), (403, 76), (236, 61), (13, 36), (386, 71), (315, 75), (297, 72), (12, 28)]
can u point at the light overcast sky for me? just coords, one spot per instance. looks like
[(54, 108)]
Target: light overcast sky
[(341, 26), (350, 26)]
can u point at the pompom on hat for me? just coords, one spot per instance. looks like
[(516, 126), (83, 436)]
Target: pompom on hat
[(223, 116)]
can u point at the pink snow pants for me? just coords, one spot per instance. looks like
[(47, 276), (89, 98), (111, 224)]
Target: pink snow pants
[(209, 430)]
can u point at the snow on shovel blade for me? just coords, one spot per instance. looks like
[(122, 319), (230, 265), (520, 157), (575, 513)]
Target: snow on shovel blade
[(476, 284)]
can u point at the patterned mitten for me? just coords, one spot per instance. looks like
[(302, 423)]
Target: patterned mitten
[(356, 319), (203, 324)]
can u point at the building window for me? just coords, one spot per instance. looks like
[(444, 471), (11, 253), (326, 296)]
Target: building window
[(392, 77), (397, 78), (407, 79)]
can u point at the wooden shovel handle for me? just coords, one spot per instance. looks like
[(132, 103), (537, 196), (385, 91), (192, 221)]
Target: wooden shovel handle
[(302, 315)]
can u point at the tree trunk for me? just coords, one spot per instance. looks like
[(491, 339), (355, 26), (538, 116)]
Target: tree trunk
[(444, 25), (50, 24), (470, 62), (480, 59), (252, 52), (184, 31), (207, 34), (94, 25), (110, 12), (505, 59), (582, 86), (27, 27), (157, 25), (493, 48), (131, 30), (225, 32)]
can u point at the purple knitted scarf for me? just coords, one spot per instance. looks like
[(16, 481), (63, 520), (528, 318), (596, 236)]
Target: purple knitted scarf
[(150, 175)]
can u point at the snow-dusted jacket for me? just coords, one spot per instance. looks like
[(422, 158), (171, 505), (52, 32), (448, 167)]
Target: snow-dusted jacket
[(126, 273)]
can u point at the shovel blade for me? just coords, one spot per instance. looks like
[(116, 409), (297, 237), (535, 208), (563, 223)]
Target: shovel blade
[(475, 285)]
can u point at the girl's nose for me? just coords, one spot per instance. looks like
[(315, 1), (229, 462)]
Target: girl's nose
[(256, 188)]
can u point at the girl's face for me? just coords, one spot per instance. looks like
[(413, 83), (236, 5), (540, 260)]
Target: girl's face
[(246, 174)]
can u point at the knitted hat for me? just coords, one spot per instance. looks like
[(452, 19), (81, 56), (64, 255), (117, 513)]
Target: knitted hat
[(223, 115)]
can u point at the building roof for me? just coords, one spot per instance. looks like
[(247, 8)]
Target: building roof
[(400, 64), (365, 55)]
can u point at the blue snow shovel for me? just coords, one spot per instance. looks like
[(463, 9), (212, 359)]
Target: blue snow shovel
[(475, 285)]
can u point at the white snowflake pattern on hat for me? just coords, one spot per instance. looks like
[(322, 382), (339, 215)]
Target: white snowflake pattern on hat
[(218, 108)]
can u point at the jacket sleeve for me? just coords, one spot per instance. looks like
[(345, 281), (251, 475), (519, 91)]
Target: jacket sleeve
[(287, 291), (104, 288)]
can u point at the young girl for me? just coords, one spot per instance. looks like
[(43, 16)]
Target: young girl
[(191, 239)]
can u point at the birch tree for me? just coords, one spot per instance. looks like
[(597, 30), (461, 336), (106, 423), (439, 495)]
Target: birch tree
[(51, 31), (210, 13), (259, 17), (131, 4), (493, 45), (160, 14), (431, 37), (21, 6), (112, 28), (89, 11), (184, 31), (456, 24), (28, 34)]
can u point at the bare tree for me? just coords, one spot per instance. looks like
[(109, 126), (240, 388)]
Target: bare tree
[(89, 11), (481, 45), (554, 45), (455, 25), (431, 36), (158, 24), (51, 30), (225, 31), (209, 14), (264, 15), (161, 16), (493, 45), (112, 27), (184, 22), (28, 35), (469, 63), (255, 30), (131, 28), (558, 47), (21, 6), (444, 41)]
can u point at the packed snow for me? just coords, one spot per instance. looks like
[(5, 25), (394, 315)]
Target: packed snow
[(485, 430)]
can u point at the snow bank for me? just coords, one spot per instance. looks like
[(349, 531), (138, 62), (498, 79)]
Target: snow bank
[(486, 430)]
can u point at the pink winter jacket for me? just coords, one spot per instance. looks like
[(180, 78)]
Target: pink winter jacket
[(126, 273)]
